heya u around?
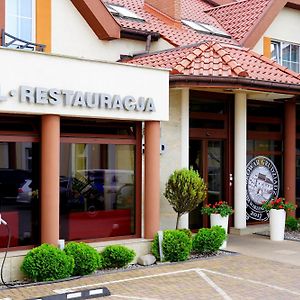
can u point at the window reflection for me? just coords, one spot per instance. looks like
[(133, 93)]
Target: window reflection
[(97, 190), (18, 204)]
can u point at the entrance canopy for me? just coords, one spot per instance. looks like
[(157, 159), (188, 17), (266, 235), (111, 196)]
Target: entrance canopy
[(224, 67)]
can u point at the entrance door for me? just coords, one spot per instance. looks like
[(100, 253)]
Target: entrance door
[(207, 157), (210, 148)]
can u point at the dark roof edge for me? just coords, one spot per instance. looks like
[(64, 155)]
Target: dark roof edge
[(234, 83), (138, 34)]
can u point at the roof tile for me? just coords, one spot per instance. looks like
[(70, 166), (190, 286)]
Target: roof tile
[(213, 59), (239, 17), (178, 36)]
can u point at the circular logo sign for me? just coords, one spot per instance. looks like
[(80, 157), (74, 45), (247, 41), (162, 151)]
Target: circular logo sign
[(262, 185)]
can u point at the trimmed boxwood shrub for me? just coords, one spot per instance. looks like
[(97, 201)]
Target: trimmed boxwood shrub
[(209, 240), (117, 256), (47, 263), (86, 258), (291, 223), (176, 245), (187, 232)]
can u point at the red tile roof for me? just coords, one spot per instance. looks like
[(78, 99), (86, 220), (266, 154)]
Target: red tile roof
[(218, 60), (240, 17), (191, 9)]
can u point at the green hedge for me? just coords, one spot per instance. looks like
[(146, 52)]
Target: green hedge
[(209, 240), (117, 256), (176, 245), (47, 263), (291, 223), (86, 258)]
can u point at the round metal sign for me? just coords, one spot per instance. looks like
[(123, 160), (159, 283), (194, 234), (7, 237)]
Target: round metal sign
[(262, 185)]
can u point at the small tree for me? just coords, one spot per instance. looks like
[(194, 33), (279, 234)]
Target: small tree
[(185, 190)]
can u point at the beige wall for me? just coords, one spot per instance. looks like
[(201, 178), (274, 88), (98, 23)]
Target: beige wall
[(171, 159), (285, 27), (71, 35)]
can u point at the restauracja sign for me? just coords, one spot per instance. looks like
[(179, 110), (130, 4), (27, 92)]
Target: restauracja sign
[(54, 96)]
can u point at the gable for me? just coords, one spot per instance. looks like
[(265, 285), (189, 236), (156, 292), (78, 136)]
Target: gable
[(285, 27)]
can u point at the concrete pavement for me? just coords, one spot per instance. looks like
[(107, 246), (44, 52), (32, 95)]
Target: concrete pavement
[(262, 247)]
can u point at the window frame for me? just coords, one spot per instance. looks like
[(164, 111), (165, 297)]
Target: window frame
[(278, 46), (33, 20), (67, 138)]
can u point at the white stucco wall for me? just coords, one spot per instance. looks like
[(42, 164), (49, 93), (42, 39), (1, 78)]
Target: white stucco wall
[(80, 77), (71, 35), (285, 27), (171, 159)]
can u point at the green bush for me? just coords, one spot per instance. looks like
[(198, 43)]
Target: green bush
[(176, 245), (291, 223), (47, 263), (117, 256), (209, 240), (187, 232), (86, 258)]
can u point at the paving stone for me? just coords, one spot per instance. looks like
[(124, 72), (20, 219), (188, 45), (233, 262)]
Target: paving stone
[(237, 276)]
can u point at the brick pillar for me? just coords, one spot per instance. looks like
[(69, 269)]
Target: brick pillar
[(50, 157), (289, 177), (152, 179)]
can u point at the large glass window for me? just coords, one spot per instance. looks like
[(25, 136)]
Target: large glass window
[(19, 19), (19, 183), (286, 54), (97, 190)]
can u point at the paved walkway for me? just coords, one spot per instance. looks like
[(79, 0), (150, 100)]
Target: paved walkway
[(258, 274), (261, 246)]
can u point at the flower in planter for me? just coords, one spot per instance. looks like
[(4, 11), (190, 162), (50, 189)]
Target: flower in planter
[(278, 203), (220, 207)]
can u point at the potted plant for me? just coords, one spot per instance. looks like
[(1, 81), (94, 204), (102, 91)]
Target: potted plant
[(185, 190), (277, 208), (219, 213)]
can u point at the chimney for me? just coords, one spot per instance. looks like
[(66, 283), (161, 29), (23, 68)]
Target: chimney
[(172, 8)]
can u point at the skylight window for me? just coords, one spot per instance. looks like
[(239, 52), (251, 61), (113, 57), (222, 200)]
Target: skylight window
[(121, 11), (205, 28)]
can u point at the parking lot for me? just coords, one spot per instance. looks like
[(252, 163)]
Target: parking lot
[(227, 277)]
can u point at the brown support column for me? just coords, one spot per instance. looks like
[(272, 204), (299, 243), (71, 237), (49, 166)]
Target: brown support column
[(152, 179), (2, 18), (50, 145), (290, 152)]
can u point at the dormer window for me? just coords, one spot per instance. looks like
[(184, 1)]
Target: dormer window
[(205, 28), (19, 19), (123, 12)]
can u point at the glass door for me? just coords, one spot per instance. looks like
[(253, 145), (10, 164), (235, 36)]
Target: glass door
[(207, 157)]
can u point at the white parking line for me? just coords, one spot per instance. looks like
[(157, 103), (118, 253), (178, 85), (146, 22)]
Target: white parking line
[(68, 290), (198, 270), (253, 281), (213, 285), (132, 297)]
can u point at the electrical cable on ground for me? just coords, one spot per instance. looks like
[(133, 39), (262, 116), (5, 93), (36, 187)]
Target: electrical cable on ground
[(5, 255)]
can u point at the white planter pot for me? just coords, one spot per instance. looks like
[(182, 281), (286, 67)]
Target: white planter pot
[(277, 224), (217, 219)]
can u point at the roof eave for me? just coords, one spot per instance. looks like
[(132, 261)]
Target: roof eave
[(99, 18), (234, 83), (138, 34)]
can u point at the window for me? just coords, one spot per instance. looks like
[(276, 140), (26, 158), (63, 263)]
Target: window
[(121, 11), (99, 179), (205, 28), (19, 19), (286, 54)]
